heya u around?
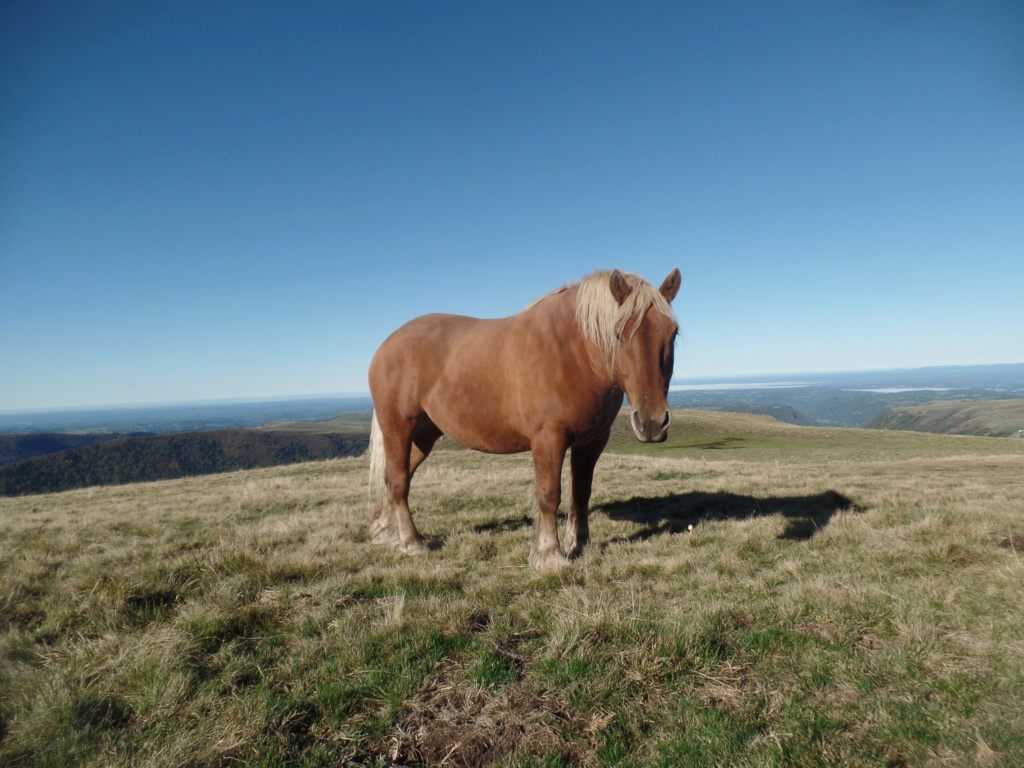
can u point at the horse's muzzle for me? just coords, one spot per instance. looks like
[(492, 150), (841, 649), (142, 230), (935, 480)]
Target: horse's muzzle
[(648, 430)]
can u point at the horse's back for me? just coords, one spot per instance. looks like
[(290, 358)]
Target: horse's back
[(463, 373), (427, 338), (433, 347)]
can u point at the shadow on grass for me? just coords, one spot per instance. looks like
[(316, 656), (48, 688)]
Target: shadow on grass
[(509, 524), (805, 515)]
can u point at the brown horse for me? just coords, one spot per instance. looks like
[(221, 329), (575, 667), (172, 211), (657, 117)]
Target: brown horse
[(545, 380)]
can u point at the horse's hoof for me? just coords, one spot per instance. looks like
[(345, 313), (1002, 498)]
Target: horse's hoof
[(550, 559), (574, 547), (413, 548), (383, 537), (575, 551)]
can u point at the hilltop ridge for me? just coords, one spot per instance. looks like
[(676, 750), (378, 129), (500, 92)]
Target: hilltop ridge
[(992, 418)]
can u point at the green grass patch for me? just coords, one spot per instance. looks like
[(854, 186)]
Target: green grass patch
[(493, 669)]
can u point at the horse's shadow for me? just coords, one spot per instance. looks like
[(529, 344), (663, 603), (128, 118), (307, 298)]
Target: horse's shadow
[(805, 515), (501, 526)]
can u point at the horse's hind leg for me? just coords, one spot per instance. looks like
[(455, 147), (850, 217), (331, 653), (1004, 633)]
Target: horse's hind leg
[(422, 443), (404, 452)]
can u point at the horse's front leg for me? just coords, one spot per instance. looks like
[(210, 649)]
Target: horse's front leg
[(548, 454), (577, 530)]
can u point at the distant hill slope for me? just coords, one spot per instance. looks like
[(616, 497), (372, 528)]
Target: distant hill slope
[(163, 457), (787, 414), (347, 423), (24, 446), (993, 418)]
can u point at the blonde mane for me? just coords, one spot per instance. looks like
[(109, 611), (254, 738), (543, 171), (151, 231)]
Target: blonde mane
[(600, 318), (603, 320)]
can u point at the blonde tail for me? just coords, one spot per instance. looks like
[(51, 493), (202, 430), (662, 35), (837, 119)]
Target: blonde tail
[(377, 490)]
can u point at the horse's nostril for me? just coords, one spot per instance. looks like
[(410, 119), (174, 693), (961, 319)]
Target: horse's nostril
[(667, 421), (636, 423)]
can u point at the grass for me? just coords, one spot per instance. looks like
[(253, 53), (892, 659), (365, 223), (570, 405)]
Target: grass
[(843, 599)]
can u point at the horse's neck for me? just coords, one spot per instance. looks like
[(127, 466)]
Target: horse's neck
[(557, 315)]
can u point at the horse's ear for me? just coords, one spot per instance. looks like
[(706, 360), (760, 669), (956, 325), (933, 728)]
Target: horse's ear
[(670, 287), (620, 288)]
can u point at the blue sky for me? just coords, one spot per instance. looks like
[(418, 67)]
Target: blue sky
[(227, 199)]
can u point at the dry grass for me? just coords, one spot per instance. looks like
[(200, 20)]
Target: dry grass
[(843, 599)]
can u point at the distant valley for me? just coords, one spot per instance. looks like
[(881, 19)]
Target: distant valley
[(850, 399), (58, 451)]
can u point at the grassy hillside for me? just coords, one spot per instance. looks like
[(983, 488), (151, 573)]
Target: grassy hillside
[(843, 600), (998, 418), (760, 439)]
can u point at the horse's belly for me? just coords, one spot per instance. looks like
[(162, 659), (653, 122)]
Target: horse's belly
[(487, 437)]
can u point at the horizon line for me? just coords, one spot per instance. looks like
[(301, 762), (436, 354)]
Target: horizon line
[(214, 401)]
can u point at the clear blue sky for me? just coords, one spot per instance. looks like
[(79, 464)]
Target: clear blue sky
[(242, 199)]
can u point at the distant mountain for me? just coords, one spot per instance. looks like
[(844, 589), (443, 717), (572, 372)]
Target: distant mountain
[(994, 418), (827, 406), (22, 447), (182, 417), (162, 457)]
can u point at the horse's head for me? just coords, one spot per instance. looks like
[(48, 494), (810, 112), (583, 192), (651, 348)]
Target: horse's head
[(644, 357)]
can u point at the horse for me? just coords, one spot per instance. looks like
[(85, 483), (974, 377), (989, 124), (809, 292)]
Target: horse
[(549, 379)]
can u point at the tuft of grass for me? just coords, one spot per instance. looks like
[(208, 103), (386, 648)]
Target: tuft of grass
[(493, 669), (674, 474)]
